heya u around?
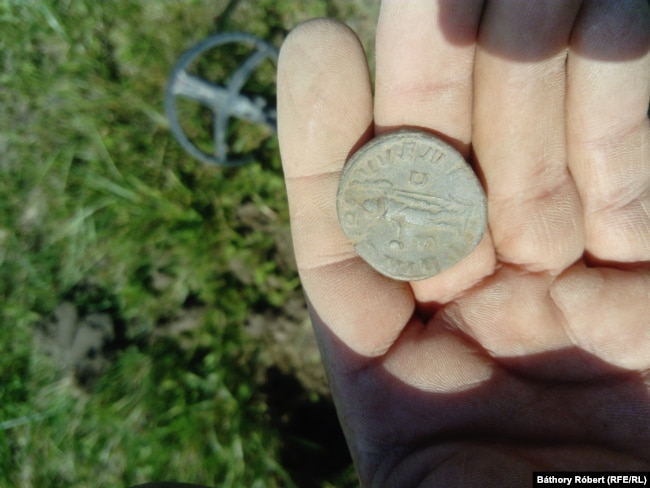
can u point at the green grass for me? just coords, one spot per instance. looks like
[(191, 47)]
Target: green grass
[(101, 207)]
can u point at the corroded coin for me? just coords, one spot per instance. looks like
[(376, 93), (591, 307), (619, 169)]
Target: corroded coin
[(411, 205)]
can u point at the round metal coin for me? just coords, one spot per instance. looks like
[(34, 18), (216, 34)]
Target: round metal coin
[(411, 205)]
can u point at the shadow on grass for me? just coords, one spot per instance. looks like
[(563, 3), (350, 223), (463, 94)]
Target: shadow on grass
[(314, 448)]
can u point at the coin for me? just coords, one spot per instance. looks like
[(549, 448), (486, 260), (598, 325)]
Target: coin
[(411, 205)]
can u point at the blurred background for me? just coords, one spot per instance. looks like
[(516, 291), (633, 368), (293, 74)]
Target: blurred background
[(152, 324)]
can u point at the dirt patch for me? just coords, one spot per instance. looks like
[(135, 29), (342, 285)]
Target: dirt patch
[(286, 334), (292, 377), (289, 344), (82, 344)]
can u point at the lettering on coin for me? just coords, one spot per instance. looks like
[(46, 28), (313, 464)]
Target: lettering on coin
[(411, 205)]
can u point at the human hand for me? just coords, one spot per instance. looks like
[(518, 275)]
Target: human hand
[(533, 353)]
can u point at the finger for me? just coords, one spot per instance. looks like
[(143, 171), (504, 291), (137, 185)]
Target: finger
[(455, 281), (519, 136), (324, 113), (493, 316), (422, 78), (607, 313), (608, 128), (425, 56), (435, 359)]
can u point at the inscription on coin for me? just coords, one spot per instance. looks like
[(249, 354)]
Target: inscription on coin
[(410, 204)]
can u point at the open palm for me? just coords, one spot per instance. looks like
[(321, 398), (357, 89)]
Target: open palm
[(533, 353)]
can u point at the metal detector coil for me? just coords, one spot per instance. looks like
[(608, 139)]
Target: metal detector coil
[(223, 101)]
